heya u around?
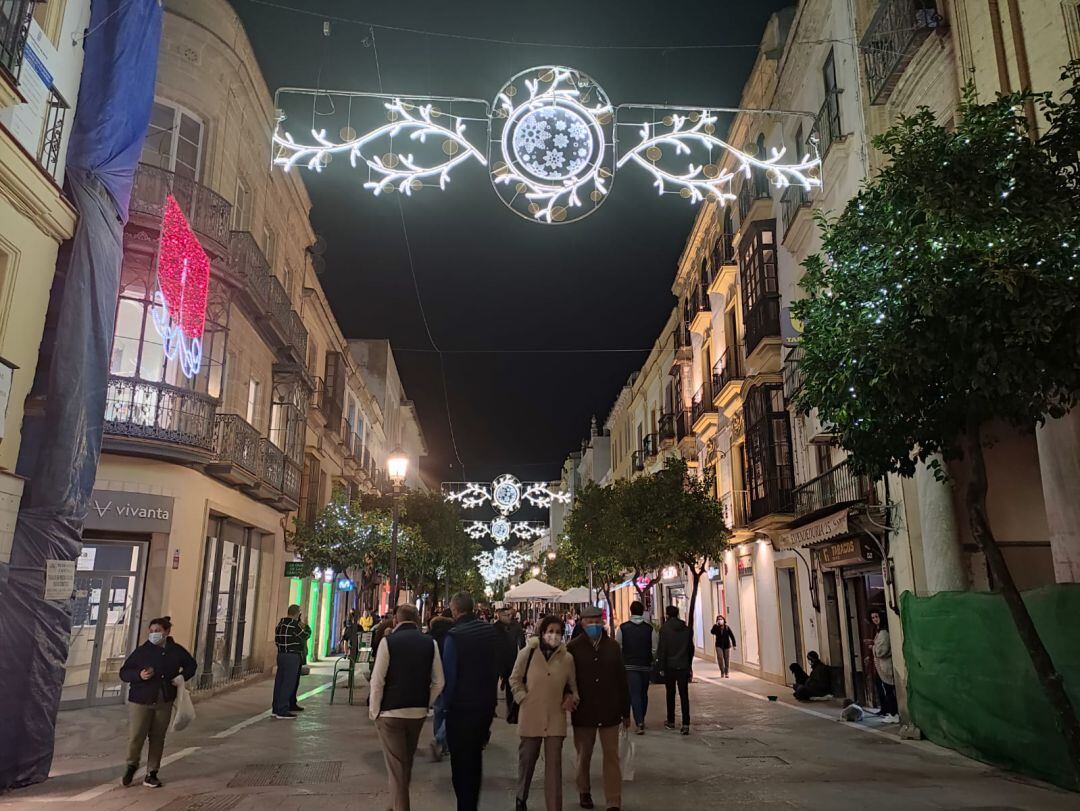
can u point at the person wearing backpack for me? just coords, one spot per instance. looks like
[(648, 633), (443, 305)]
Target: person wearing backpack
[(149, 672), (544, 686)]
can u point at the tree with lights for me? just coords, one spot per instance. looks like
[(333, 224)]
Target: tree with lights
[(945, 298)]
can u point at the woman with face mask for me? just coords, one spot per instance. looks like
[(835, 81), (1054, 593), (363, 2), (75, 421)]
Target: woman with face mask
[(725, 641), (544, 686), (151, 671)]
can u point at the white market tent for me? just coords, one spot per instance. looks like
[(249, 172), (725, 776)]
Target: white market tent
[(578, 594), (532, 590)]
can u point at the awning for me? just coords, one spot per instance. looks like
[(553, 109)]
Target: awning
[(831, 526), (578, 594), (532, 590)]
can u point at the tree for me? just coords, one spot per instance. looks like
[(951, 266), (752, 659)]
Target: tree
[(595, 527), (946, 298), (649, 541), (569, 569)]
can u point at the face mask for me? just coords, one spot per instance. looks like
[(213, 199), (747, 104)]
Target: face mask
[(552, 640), (594, 631), (156, 637)]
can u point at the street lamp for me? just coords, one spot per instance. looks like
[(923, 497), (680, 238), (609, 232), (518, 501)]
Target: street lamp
[(552, 555), (397, 466), (535, 571)]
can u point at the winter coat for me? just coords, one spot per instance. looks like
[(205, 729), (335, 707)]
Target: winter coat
[(511, 638), (603, 692), (169, 661), (539, 685), (676, 650), (883, 657), (725, 639)]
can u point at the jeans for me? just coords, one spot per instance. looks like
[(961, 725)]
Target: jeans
[(680, 679), (438, 723), (723, 659), (467, 733), (639, 694), (286, 682)]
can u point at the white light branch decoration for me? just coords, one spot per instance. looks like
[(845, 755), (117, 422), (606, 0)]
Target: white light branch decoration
[(499, 564), (708, 178), (471, 496), (506, 494), (501, 529), (401, 170), (539, 494)]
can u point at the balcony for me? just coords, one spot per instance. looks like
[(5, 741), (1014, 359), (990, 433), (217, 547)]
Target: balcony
[(666, 434), (651, 445), (827, 126), (684, 350), (891, 41), (318, 397), (637, 461), (833, 488), (771, 506), (793, 376), (207, 211), (724, 264), (158, 420), (727, 376), (736, 505), (264, 298), (702, 310), (754, 189), (762, 321), (702, 410), (795, 200), (684, 426), (250, 461), (15, 18)]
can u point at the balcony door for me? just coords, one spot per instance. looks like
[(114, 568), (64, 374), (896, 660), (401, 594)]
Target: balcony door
[(173, 140)]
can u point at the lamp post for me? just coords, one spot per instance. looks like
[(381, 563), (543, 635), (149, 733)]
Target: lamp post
[(397, 466)]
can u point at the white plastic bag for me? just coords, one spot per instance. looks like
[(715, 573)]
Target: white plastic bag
[(626, 754), (183, 708)]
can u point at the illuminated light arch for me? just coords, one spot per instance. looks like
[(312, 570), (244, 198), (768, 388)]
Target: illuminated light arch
[(502, 529), (183, 278), (507, 494)]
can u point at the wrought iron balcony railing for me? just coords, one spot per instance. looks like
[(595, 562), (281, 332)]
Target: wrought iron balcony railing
[(207, 211), (15, 18), (237, 443), (637, 460), (724, 250), (756, 187), (793, 376), (773, 499), (762, 321), (666, 426), (827, 125), (891, 40), (651, 445), (318, 394), (158, 411), (684, 425), (728, 369), (52, 138), (838, 485), (736, 505), (794, 199), (702, 403)]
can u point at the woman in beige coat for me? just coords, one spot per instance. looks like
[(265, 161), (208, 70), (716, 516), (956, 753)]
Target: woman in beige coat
[(545, 689)]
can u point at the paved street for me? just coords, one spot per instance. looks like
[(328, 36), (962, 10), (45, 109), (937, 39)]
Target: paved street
[(744, 752)]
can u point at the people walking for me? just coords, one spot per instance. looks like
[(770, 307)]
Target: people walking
[(675, 656), (151, 672), (638, 640), (471, 667), (406, 680), (883, 667), (544, 684), (290, 636), (724, 640), (437, 630), (511, 640), (603, 704)]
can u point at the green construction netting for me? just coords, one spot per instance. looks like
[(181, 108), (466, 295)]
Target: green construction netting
[(971, 685)]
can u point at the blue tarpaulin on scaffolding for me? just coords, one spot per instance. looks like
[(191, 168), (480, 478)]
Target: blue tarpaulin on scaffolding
[(62, 438)]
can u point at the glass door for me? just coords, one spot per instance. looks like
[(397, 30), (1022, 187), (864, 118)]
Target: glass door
[(104, 622)]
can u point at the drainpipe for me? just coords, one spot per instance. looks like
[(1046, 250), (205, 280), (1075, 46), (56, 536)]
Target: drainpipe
[(1023, 69), (999, 46)]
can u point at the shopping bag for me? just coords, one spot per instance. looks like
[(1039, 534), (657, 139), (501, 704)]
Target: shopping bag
[(626, 753), (183, 708)]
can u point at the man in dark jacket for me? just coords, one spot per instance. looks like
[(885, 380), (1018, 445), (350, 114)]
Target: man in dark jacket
[(470, 664), (438, 628), (149, 672), (639, 641), (604, 703), (675, 656), (511, 640), (819, 683), (290, 636)]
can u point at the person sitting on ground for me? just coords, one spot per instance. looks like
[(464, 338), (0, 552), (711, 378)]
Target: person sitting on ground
[(819, 683), (798, 674)]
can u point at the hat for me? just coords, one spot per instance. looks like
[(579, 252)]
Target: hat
[(591, 612)]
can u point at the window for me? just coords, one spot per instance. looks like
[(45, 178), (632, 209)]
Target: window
[(1071, 10), (824, 464), (252, 415), (269, 246), (49, 15), (241, 212), (287, 279), (770, 474), (173, 140), (137, 349), (52, 135), (761, 291), (312, 357)]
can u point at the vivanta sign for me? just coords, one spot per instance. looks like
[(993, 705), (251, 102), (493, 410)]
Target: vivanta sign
[(129, 512)]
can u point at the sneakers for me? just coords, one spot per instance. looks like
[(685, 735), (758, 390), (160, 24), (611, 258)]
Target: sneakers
[(686, 729), (129, 775), (297, 708), (669, 725), (151, 780), (437, 752), (641, 729), (283, 716), (585, 801)]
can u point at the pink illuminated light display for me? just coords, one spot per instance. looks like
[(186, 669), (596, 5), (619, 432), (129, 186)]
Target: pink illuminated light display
[(183, 274)]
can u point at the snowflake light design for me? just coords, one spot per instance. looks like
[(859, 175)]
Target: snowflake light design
[(501, 529), (499, 564), (183, 277), (506, 494)]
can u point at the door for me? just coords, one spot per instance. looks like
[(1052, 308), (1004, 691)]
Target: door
[(748, 620), (790, 620), (104, 622), (832, 618)]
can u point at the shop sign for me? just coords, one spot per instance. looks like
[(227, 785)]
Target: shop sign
[(344, 584), (117, 511), (746, 566), (849, 552), (715, 573), (831, 526), (295, 568)]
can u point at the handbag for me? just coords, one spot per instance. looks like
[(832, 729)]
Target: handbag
[(626, 754), (512, 710)]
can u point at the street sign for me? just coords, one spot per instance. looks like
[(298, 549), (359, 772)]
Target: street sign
[(294, 568)]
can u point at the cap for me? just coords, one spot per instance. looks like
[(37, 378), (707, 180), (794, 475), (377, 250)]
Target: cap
[(591, 612)]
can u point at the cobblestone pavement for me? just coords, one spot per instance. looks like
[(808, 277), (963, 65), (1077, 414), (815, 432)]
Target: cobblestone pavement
[(744, 752)]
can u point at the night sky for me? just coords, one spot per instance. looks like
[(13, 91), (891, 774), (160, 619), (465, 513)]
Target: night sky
[(488, 279)]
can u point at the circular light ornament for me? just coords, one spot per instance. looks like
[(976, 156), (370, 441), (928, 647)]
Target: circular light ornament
[(500, 530), (552, 153), (506, 494)]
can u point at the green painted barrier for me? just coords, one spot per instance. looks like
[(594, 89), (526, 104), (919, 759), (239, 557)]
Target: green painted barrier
[(971, 685)]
